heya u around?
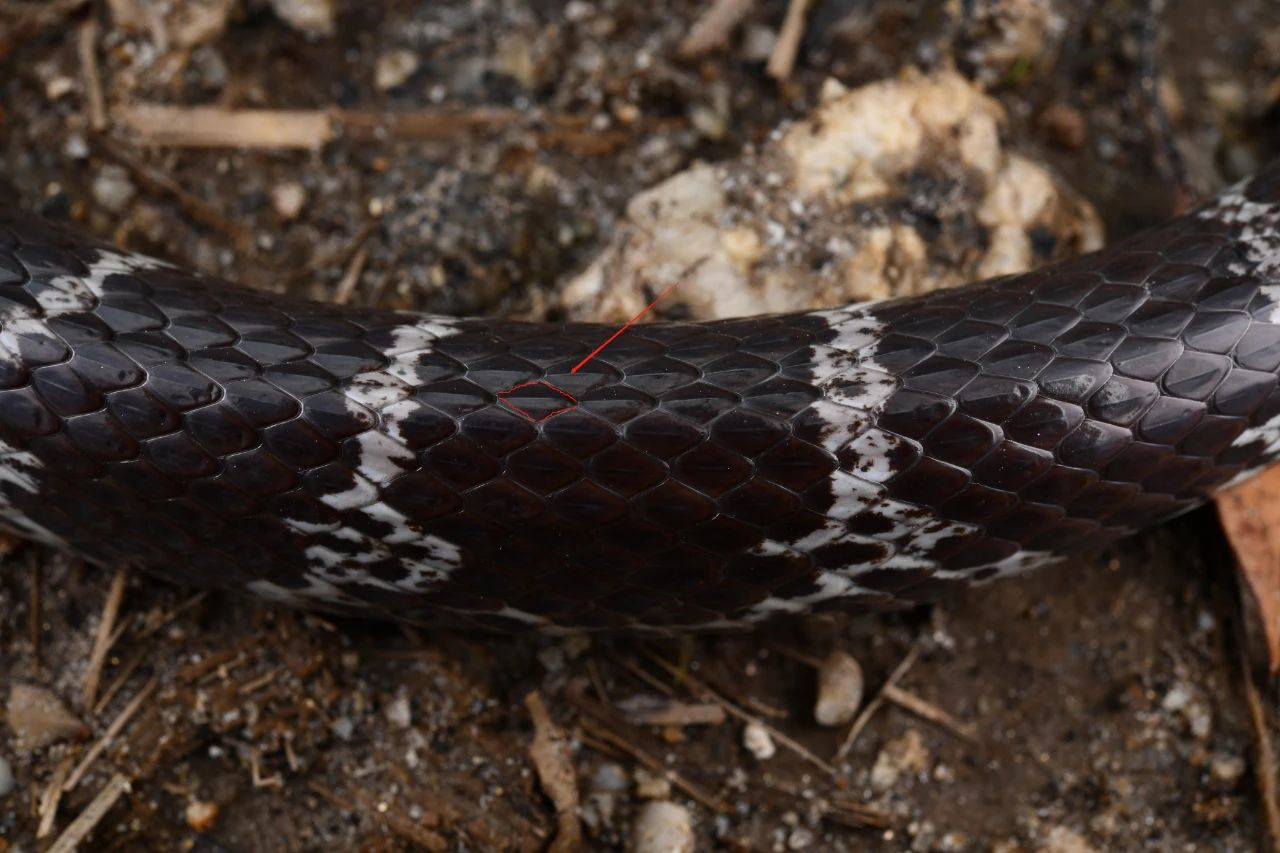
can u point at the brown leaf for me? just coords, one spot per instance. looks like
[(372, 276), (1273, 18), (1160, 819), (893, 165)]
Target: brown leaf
[(1250, 513)]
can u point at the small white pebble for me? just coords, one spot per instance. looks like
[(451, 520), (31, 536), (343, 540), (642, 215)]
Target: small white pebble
[(755, 737), (663, 827), (393, 68), (113, 189), (75, 148), (651, 786), (59, 87), (840, 686), (288, 199), (398, 712), (1225, 770), (343, 728)]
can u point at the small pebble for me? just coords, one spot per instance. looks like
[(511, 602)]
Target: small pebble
[(609, 777), (287, 199), (7, 782), (1184, 699), (343, 728), (1225, 770), (393, 68), (663, 827), (75, 148), (755, 737), (38, 718), (59, 87), (800, 839), (840, 687), (902, 755), (312, 17), (651, 786), (202, 815), (113, 189), (398, 712), (1060, 839)]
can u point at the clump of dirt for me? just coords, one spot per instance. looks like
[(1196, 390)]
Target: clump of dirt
[(1095, 706)]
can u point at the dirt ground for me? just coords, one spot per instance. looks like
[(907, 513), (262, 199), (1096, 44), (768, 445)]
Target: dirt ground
[(1096, 706)]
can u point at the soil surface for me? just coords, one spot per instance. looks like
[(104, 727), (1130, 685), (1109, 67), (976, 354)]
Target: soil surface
[(1098, 705)]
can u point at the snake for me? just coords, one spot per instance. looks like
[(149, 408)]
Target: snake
[(680, 475)]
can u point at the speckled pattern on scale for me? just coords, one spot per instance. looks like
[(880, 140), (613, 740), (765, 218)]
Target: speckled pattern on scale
[(691, 475)]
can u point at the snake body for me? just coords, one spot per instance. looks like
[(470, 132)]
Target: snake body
[(689, 475)]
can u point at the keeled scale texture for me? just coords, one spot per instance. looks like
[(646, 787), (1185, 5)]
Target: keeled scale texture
[(691, 474)]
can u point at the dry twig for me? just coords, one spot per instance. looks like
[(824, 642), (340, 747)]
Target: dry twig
[(783, 58), (53, 796), (109, 736), (550, 756), (93, 813), (929, 711), (714, 27), (104, 639), (699, 687), (87, 48), (874, 705)]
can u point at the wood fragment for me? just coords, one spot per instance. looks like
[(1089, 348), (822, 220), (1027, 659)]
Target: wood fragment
[(87, 48), (52, 796), (275, 780), (1250, 515), (874, 705), (103, 640), (549, 753), (109, 736), (154, 625), (87, 820), (714, 27), (928, 711), (220, 127), (783, 59), (858, 816)]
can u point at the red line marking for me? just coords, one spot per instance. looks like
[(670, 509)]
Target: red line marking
[(573, 401), (627, 325)]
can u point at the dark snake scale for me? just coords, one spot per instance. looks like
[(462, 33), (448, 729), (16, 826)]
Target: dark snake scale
[(691, 475)]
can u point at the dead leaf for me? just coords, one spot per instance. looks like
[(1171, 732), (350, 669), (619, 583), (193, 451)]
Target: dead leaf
[(1250, 514)]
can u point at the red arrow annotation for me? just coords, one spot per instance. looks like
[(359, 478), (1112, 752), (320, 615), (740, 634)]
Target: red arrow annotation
[(627, 325), (570, 401)]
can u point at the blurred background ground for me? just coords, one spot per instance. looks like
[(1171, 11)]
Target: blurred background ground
[(1099, 705)]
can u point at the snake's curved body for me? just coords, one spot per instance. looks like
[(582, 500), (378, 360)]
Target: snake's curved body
[(691, 474)]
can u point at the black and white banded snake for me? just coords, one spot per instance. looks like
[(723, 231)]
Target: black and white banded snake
[(690, 475)]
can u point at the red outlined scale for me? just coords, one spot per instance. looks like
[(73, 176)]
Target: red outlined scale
[(572, 402)]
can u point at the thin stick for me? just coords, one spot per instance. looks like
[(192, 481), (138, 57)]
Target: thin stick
[(109, 736), (735, 711), (714, 26), (87, 47), (655, 765), (874, 705), (33, 605), (351, 277), (158, 182), (929, 711), (122, 677), (102, 642), (85, 822), (53, 796), (783, 58)]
